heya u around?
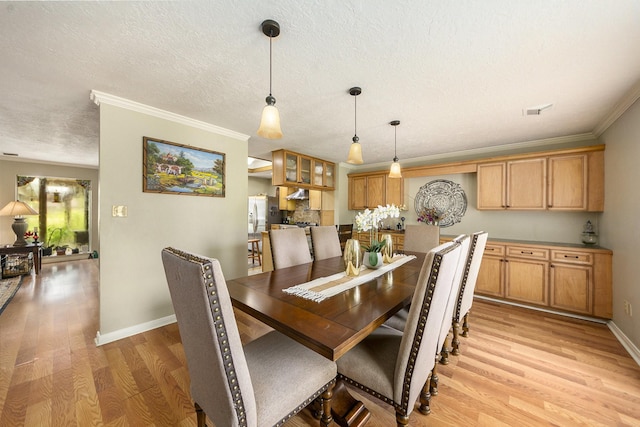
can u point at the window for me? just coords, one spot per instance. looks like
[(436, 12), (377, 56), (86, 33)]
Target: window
[(63, 205)]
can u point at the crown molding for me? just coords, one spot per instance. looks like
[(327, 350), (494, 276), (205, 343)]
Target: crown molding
[(623, 105), (105, 98)]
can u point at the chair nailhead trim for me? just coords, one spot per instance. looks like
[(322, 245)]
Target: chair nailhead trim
[(209, 281), (306, 403), (463, 284)]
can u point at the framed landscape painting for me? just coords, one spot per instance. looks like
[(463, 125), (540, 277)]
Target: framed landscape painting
[(172, 168)]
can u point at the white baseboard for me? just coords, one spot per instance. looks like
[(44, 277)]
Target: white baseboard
[(631, 348), (133, 330)]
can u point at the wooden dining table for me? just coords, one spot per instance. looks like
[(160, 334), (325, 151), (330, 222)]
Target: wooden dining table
[(330, 327)]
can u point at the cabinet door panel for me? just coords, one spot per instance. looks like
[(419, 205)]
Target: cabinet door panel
[(358, 193), (375, 191), (571, 287), (526, 184), (394, 191), (491, 185), (527, 281), (490, 277), (568, 183)]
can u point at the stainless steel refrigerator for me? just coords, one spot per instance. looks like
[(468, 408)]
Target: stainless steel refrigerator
[(263, 211)]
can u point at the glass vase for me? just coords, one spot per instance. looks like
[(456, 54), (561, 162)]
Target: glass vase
[(352, 257), (387, 249)]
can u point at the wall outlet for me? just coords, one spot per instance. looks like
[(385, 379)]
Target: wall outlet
[(628, 309)]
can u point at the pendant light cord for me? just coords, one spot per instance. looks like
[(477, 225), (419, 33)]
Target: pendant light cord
[(355, 116), (270, 59), (395, 143)]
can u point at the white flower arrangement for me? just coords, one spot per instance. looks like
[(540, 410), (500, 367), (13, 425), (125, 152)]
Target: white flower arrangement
[(369, 220)]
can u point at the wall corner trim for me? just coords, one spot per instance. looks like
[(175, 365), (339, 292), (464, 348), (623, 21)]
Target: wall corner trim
[(105, 98), (631, 348)]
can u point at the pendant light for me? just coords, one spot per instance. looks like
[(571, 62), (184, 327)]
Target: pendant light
[(394, 172), (270, 122), (355, 151)]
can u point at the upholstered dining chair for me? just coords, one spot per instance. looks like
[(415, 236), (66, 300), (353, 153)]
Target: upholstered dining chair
[(345, 232), (467, 288), (394, 366), (325, 242), (421, 237), (398, 321), (263, 384), (289, 247)]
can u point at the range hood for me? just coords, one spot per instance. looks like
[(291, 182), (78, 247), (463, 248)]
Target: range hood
[(299, 194)]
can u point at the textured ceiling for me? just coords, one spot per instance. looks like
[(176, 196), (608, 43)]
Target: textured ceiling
[(456, 74)]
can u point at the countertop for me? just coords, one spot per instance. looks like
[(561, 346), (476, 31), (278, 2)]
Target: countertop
[(533, 242)]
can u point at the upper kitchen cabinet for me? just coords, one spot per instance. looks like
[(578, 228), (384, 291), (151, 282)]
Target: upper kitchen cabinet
[(369, 190), (572, 180), (298, 170), (576, 182), (517, 184)]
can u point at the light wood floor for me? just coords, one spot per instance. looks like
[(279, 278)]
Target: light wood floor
[(518, 367)]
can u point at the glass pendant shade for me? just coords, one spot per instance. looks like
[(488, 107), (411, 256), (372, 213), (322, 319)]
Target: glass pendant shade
[(270, 123), (395, 170), (355, 154)]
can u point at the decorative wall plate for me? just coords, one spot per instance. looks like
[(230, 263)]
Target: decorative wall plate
[(447, 197)]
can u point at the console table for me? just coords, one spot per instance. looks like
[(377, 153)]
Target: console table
[(35, 249)]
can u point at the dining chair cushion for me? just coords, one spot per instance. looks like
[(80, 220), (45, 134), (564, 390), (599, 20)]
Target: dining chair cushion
[(421, 237), (400, 382), (289, 247), (259, 385), (286, 376), (325, 241)]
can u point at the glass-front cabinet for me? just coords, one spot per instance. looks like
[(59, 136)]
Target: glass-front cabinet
[(294, 169)]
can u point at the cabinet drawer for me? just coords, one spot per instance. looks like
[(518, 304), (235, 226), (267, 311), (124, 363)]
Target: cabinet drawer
[(527, 252), (494, 250), (573, 257)]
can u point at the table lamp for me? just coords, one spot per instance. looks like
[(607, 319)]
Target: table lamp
[(18, 210)]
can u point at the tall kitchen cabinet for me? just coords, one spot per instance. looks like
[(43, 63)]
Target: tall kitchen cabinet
[(369, 190), (571, 181), (570, 278)]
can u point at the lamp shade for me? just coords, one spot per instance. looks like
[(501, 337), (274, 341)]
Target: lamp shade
[(270, 123), (355, 154), (395, 170), (17, 208)]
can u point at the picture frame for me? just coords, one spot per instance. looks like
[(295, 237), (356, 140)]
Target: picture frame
[(172, 168)]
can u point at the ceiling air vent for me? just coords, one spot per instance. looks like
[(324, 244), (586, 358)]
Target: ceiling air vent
[(536, 111)]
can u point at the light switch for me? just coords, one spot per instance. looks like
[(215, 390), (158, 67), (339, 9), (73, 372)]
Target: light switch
[(119, 211)]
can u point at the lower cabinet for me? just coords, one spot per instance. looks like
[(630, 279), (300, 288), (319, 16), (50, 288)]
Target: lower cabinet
[(572, 279), (396, 237)]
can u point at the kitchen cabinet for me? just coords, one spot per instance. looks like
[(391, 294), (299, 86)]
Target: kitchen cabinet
[(283, 203), (564, 182), (298, 170), (369, 190), (323, 174), (569, 278), (516, 184), (576, 182), (323, 201)]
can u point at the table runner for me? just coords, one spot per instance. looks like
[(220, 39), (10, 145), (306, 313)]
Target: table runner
[(325, 287)]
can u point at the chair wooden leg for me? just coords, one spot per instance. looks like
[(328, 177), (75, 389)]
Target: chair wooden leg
[(425, 399), (455, 343), (401, 419), (201, 417), (327, 419), (465, 325), (444, 352), (433, 381)]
